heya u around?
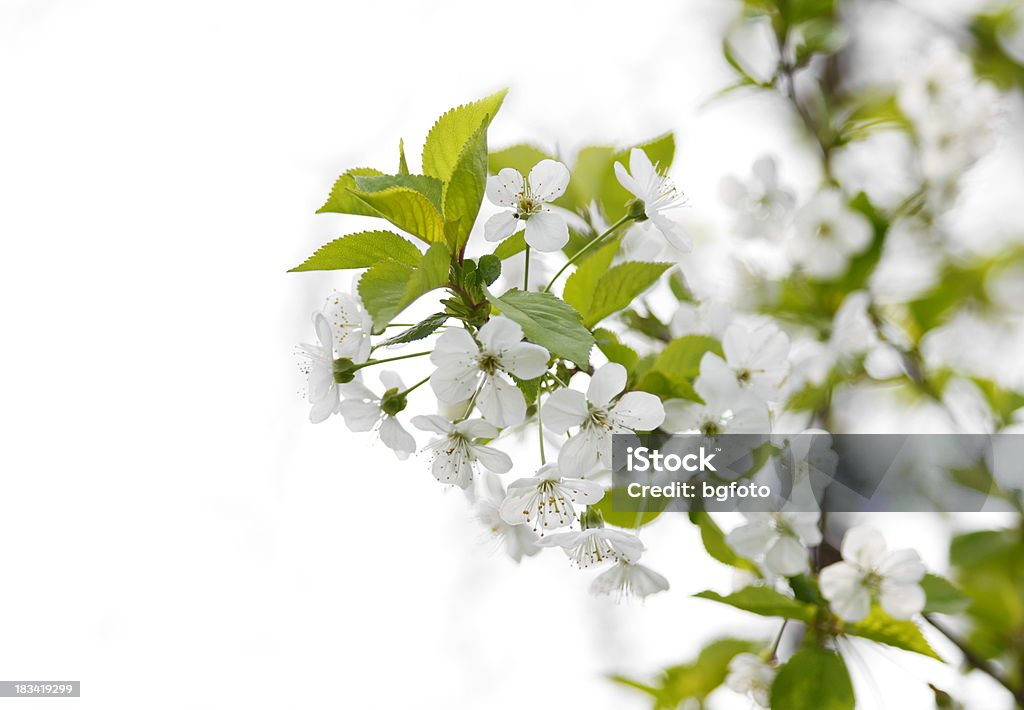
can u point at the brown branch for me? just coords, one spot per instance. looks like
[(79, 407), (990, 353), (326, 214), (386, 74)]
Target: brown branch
[(976, 661)]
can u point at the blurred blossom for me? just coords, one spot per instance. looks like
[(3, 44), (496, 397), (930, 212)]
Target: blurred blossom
[(826, 233), (761, 206), (910, 263), (751, 675), (706, 318)]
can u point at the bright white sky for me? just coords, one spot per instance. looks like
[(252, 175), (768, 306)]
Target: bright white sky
[(176, 533)]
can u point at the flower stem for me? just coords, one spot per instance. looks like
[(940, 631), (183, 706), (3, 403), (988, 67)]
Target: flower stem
[(976, 661), (391, 359), (526, 270), (773, 653), (472, 401), (540, 432), (418, 384), (586, 247)]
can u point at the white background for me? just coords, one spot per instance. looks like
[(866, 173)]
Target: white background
[(174, 532)]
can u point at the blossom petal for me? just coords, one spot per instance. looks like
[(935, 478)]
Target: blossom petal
[(582, 453), (608, 381), (504, 188), (751, 539), (902, 567), (682, 415), (454, 384), (842, 584), (499, 334), (491, 458), (546, 231), (359, 416), (787, 557), (627, 181), (391, 380), (396, 438), (548, 180), (525, 360), (565, 408), (324, 407), (323, 330), (501, 402), (674, 232), (500, 226), (455, 346), (642, 169), (864, 547), (476, 429), (901, 601), (582, 491), (432, 422), (639, 411)]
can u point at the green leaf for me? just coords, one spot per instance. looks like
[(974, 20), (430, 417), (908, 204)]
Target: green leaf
[(489, 268), (403, 166), (361, 250), (617, 288), (342, 200), (529, 388), (429, 187), (615, 351), (765, 602), (814, 678), (389, 287), (511, 246), (942, 597), (419, 331), (407, 209), (618, 498), (879, 626), (592, 169), (520, 157), (548, 321), (581, 285), (445, 141), (464, 191), (714, 542), (677, 365)]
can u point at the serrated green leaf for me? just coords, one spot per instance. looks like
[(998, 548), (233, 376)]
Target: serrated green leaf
[(429, 187), (408, 210), (419, 331), (942, 597), (403, 165), (619, 286), (813, 678), (879, 626), (361, 250), (714, 542), (520, 157), (548, 321), (342, 200), (582, 284), (764, 601), (464, 191), (453, 130), (389, 287), (511, 246), (615, 351)]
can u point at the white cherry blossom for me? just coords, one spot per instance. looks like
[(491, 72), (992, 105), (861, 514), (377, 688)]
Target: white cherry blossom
[(753, 676), (727, 408), (625, 580), (826, 233), (599, 414), (782, 538), (596, 545), (466, 367), (361, 409), (321, 389), (520, 540), (758, 357), (547, 501), (659, 195), (709, 317), (526, 201), (351, 326), (456, 452), (869, 572)]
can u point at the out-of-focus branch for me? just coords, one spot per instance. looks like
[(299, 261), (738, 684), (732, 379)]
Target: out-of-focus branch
[(976, 661)]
